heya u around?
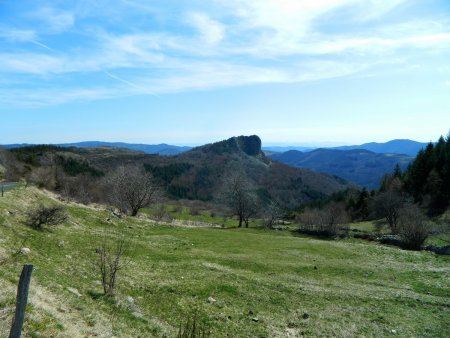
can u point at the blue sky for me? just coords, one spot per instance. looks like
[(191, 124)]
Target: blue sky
[(310, 72)]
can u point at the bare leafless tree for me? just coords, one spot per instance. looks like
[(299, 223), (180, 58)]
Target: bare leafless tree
[(133, 189), (238, 194), (272, 213), (387, 205)]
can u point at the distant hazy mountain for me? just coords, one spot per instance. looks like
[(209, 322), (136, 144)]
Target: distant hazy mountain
[(279, 149), (407, 147), (161, 149), (359, 166)]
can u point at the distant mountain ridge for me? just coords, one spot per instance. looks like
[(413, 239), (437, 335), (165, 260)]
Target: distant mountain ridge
[(360, 166), (400, 146), (161, 149), (406, 147)]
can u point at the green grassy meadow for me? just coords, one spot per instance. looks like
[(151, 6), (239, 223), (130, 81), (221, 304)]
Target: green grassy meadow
[(264, 283)]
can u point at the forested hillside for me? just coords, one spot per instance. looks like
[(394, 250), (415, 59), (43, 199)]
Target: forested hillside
[(198, 174), (428, 177)]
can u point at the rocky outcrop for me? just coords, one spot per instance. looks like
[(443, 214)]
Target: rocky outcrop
[(250, 145)]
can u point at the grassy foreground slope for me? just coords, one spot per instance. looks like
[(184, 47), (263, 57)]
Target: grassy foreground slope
[(265, 283)]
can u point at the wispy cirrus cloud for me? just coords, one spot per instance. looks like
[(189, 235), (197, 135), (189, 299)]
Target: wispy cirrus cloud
[(146, 50), (54, 20)]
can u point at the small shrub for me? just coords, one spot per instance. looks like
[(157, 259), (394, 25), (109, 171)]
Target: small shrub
[(413, 227), (160, 212), (44, 215), (109, 262), (194, 211)]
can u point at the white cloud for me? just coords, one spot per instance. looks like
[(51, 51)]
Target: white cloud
[(17, 35), (211, 31), (448, 83), (56, 20)]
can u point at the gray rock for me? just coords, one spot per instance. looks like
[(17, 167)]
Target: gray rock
[(25, 251)]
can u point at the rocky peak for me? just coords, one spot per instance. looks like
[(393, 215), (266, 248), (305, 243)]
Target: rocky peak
[(250, 145)]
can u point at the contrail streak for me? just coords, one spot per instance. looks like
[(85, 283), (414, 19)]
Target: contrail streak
[(115, 77)]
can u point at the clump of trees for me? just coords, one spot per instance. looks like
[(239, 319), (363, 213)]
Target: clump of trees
[(405, 200), (45, 215)]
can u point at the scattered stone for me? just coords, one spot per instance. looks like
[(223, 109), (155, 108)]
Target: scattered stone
[(130, 300), (138, 315), (61, 244), (74, 291), (68, 256), (25, 251), (305, 315), (211, 300), (255, 319), (394, 331)]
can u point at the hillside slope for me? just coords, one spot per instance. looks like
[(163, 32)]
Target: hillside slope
[(361, 167), (264, 283)]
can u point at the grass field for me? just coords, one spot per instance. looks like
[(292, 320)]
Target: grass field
[(265, 283)]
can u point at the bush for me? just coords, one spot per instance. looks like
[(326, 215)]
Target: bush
[(413, 227), (325, 221), (44, 215)]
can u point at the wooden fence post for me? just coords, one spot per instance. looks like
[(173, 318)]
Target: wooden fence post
[(21, 301)]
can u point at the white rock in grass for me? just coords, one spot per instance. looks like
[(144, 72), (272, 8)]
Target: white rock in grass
[(74, 291), (211, 300), (25, 251)]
